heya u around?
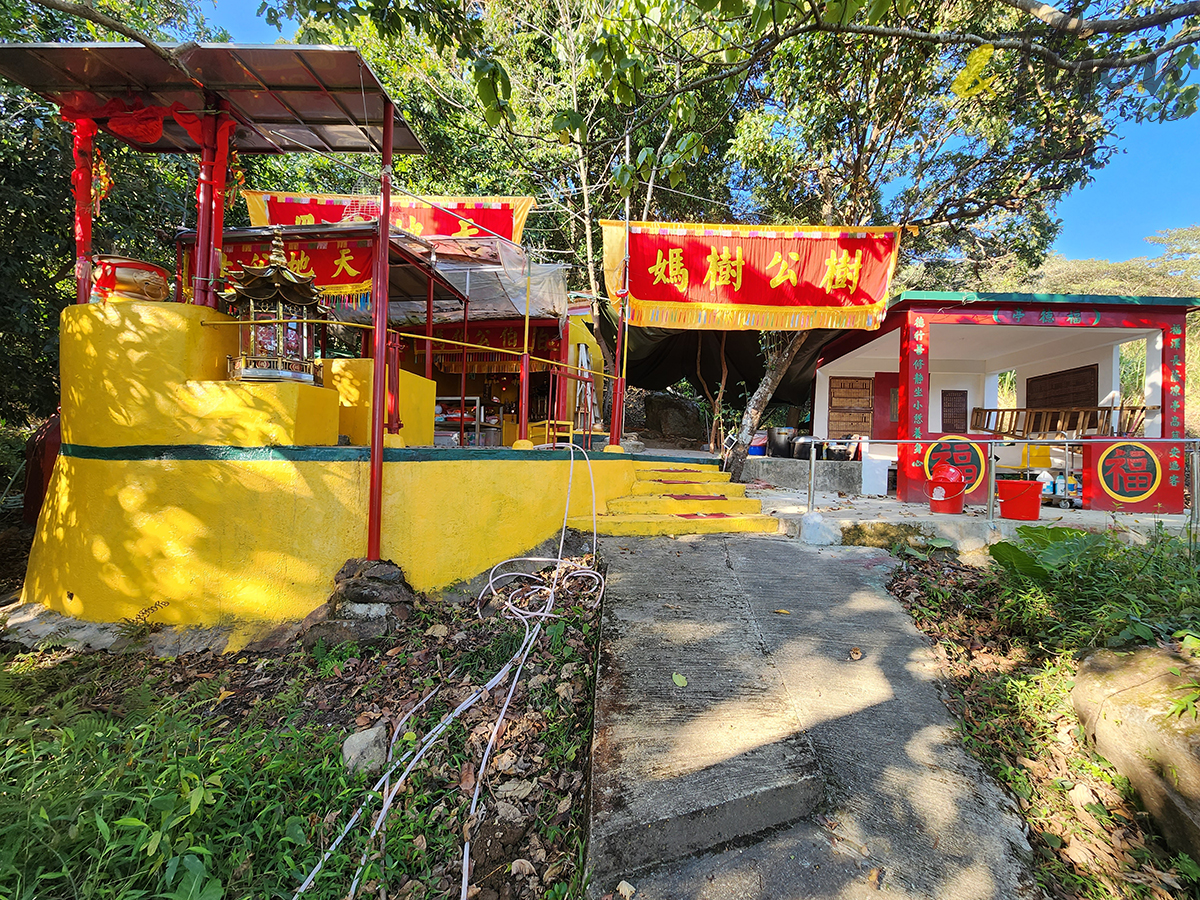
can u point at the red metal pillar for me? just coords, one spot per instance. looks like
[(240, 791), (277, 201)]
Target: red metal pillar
[(617, 421), (523, 393), (462, 388), (201, 288), (379, 302), (429, 323), (394, 348), (563, 407), (523, 400), (222, 132), (81, 178)]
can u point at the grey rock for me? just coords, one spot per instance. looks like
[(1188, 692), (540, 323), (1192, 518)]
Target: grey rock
[(1124, 702), (339, 631), (816, 531), (366, 751), (386, 572), (673, 416), (365, 610)]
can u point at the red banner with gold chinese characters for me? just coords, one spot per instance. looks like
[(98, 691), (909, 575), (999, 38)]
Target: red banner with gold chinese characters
[(341, 269), (446, 216), (751, 277)]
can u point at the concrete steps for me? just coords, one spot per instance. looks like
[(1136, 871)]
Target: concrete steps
[(673, 498), (657, 488), (695, 523), (678, 504), (682, 475)]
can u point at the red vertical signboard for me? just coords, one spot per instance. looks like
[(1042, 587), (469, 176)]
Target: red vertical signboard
[(914, 407)]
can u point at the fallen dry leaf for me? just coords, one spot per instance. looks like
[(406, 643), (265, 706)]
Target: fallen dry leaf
[(515, 790), (875, 878), (783, 612), (419, 843), (626, 890), (437, 631), (523, 868), (466, 778)]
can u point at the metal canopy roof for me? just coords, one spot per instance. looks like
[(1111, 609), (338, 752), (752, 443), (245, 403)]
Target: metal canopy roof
[(496, 273), (286, 99)]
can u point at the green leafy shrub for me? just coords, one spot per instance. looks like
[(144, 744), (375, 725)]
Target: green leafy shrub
[(1075, 589)]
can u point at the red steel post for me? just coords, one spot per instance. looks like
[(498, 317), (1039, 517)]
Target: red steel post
[(85, 130), (617, 420), (429, 323), (379, 302), (201, 288)]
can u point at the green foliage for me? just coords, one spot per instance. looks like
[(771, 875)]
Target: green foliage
[(1073, 589), (1009, 679), (330, 658), (161, 806), (37, 250)]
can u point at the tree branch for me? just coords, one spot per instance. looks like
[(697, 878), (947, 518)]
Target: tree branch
[(105, 21), (1083, 28)]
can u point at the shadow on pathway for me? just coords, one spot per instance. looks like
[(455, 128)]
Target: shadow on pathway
[(784, 768)]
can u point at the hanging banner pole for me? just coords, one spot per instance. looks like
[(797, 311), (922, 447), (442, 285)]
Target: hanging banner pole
[(379, 320)]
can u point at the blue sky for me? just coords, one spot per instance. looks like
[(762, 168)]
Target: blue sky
[(1151, 185)]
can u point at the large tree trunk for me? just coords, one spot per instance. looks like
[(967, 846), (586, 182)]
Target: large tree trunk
[(757, 405)]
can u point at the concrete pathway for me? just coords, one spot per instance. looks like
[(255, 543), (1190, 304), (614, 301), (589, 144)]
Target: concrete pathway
[(775, 713)]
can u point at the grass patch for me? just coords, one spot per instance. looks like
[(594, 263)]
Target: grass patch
[(884, 535), (1008, 638), (213, 778)]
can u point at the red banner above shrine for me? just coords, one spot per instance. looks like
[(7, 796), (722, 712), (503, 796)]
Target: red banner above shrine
[(504, 216), (759, 277), (341, 269)]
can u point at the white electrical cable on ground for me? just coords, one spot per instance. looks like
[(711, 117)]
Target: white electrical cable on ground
[(562, 574)]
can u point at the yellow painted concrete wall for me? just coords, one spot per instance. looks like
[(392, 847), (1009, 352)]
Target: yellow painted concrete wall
[(215, 539), (223, 540), (256, 536), (352, 379), (153, 373)]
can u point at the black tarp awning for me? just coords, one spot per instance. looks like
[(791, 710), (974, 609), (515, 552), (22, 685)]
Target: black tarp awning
[(659, 358)]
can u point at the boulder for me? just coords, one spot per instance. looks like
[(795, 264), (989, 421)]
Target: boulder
[(366, 751), (816, 531), (1124, 701), (366, 588), (674, 416)]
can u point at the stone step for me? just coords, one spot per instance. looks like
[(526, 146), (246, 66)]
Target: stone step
[(681, 768), (695, 501), (655, 488), (650, 525), (680, 474)]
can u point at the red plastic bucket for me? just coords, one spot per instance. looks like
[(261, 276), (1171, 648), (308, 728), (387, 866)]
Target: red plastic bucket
[(946, 489), (1019, 499)]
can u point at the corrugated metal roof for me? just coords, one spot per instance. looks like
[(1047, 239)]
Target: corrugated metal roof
[(286, 98)]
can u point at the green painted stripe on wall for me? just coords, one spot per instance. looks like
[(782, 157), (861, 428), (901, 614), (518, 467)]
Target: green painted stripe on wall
[(202, 452)]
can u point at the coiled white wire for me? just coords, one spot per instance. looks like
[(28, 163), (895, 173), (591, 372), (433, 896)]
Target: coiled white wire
[(562, 574)]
